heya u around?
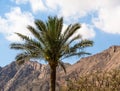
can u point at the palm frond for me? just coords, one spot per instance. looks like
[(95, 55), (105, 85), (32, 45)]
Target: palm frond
[(34, 31), (74, 39), (86, 43), (59, 26), (17, 46), (21, 56), (71, 31), (40, 25), (76, 49), (62, 65), (82, 44), (79, 54), (67, 30)]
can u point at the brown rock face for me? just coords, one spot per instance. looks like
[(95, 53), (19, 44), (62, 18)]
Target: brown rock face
[(7, 73), (34, 76), (25, 75), (105, 61)]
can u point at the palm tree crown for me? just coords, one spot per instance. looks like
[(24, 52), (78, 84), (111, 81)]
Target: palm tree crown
[(50, 44)]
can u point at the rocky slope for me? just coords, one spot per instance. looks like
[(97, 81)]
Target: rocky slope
[(32, 76), (7, 73), (35, 77), (106, 60)]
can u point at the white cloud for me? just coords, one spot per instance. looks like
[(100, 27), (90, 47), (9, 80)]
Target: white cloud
[(71, 12), (72, 8), (108, 12), (67, 8), (108, 19), (36, 5), (15, 21), (86, 31)]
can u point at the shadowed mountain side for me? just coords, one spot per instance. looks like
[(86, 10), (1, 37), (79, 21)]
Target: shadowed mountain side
[(7, 73), (35, 77)]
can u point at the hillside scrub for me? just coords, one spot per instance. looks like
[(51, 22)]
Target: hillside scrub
[(96, 81)]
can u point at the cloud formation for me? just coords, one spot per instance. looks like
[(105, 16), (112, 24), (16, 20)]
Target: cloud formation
[(106, 15), (108, 11), (86, 31), (15, 21), (108, 20), (36, 5)]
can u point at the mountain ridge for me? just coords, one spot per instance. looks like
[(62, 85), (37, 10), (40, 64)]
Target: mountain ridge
[(34, 76)]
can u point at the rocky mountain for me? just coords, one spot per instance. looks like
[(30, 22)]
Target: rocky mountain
[(31, 76), (34, 76), (7, 73), (105, 61)]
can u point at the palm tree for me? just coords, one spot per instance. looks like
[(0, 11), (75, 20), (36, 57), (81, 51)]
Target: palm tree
[(51, 44)]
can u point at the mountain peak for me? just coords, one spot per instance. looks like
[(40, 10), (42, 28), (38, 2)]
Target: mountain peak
[(114, 48)]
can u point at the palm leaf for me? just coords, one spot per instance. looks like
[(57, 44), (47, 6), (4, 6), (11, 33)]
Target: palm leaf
[(62, 65), (71, 31), (40, 25)]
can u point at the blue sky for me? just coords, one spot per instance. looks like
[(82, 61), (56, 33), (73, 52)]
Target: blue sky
[(100, 21)]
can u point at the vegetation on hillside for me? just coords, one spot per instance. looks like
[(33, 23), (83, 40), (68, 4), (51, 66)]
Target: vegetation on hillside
[(96, 81)]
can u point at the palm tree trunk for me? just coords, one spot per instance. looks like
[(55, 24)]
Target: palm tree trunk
[(53, 78)]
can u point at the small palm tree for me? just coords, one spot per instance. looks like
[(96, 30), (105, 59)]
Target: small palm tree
[(51, 45)]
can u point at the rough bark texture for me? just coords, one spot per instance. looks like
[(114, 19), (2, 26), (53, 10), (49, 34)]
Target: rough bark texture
[(53, 78)]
